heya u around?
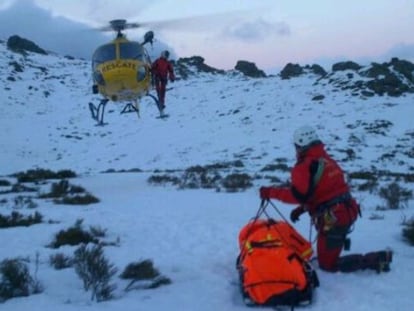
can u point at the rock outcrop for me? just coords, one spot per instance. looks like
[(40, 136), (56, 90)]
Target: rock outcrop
[(21, 45), (394, 78), (184, 67), (249, 69)]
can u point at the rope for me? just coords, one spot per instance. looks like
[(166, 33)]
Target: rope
[(277, 210), (263, 206)]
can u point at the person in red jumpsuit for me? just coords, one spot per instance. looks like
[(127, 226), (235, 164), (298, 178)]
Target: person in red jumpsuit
[(318, 185), (162, 71)]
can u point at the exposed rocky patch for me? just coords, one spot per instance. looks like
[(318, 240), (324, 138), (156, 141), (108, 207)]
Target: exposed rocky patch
[(295, 70), (394, 78), (348, 65), (184, 67), (249, 69), (291, 71), (21, 45), (190, 66)]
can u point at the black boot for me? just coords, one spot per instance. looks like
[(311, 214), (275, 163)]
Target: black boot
[(351, 263), (378, 261)]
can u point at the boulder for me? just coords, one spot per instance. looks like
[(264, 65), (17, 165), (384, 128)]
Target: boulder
[(349, 65), (318, 70), (291, 71), (249, 69), (404, 67), (189, 65), (21, 45)]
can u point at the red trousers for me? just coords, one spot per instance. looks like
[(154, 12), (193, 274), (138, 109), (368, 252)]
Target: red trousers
[(329, 247), (160, 86), (333, 226)]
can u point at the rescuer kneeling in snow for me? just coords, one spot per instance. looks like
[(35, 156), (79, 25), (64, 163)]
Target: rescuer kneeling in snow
[(318, 185)]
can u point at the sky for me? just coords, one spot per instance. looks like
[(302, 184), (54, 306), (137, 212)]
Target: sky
[(270, 33), (192, 235)]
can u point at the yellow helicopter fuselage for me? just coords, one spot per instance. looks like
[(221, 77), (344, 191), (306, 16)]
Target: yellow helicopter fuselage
[(122, 70)]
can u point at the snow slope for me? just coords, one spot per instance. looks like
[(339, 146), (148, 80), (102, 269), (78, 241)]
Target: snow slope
[(191, 235)]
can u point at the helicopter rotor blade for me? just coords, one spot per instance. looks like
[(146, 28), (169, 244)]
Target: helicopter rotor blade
[(193, 23), (119, 24)]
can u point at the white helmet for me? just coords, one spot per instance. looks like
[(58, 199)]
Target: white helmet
[(304, 136)]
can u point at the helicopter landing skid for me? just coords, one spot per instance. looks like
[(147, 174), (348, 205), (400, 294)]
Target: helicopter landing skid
[(97, 113), (131, 108)]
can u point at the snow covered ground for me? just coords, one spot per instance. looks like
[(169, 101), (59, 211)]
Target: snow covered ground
[(192, 235)]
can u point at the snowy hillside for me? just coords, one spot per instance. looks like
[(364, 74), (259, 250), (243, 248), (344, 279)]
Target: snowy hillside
[(214, 118), (191, 235)]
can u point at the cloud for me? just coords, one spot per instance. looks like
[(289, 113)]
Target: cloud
[(402, 51), (258, 30), (55, 33), (5, 4)]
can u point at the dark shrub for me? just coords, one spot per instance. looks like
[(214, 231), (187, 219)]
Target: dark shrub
[(18, 220), (73, 236), (4, 183), (362, 175), (95, 271), (237, 182), (78, 200), (60, 261), (143, 271), (21, 201), (57, 190), (18, 188), (63, 188), (395, 196), (163, 179), (370, 185), (15, 279), (199, 177), (42, 174), (275, 167), (408, 231)]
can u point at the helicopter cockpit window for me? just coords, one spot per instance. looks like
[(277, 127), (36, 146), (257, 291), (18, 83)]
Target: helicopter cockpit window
[(131, 50), (103, 54)]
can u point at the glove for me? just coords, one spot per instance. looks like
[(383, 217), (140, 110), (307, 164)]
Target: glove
[(172, 79), (265, 193), (295, 213)]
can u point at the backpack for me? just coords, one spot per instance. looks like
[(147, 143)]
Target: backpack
[(273, 264)]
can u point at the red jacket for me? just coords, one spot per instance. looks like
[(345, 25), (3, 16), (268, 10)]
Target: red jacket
[(308, 190), (162, 69)]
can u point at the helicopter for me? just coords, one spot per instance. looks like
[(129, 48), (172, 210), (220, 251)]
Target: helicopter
[(121, 71)]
